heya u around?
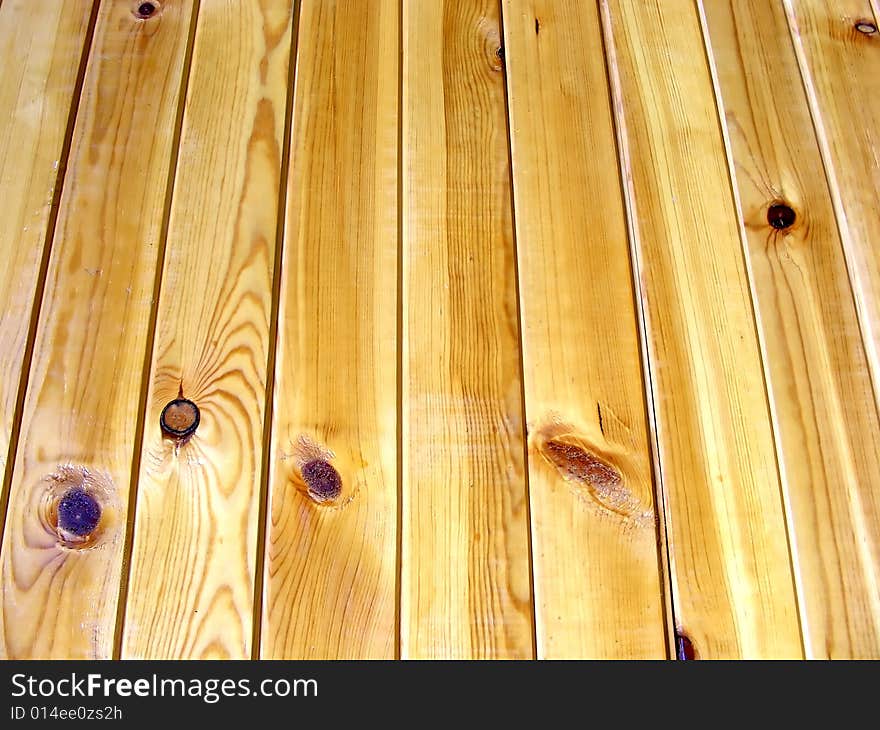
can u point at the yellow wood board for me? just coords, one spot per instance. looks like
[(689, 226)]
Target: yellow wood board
[(496, 351), (194, 554), (330, 569), (598, 588), (840, 67), (465, 550), (79, 419), (824, 406), (731, 575), (42, 45)]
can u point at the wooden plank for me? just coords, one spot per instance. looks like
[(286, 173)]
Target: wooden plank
[(80, 415), (195, 538), (465, 550), (330, 568), (41, 44), (464, 490), (579, 396), (731, 575), (840, 67), (821, 386)]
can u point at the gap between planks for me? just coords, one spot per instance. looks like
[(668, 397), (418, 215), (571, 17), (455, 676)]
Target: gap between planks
[(398, 576), (519, 322), (630, 214), (263, 510)]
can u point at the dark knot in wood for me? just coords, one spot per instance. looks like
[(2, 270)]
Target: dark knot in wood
[(322, 480), (781, 216), (78, 513), (684, 647), (146, 10), (582, 465), (180, 419)]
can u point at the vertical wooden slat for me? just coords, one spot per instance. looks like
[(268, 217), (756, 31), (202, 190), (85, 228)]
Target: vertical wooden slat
[(465, 556), (330, 580), (41, 44), (81, 411), (193, 561), (821, 386), (731, 574), (598, 589), (841, 71)]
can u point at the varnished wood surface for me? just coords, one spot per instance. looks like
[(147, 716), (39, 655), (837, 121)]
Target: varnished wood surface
[(574, 268), (731, 576), (330, 570), (464, 487), (194, 550), (43, 44), (840, 68), (85, 383), (819, 378), (495, 350)]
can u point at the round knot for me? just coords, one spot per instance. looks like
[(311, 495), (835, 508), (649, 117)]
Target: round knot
[(78, 512), (323, 481), (781, 216), (180, 418), (145, 10)]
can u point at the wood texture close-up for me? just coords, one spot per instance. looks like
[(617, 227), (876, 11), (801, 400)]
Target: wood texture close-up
[(574, 267), (330, 568), (465, 550), (42, 44), (195, 536), (838, 47), (80, 414), (439, 329), (731, 576), (818, 373)]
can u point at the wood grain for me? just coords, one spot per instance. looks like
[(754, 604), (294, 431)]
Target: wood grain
[(81, 409), (821, 386), (195, 537), (598, 589), (330, 580), (732, 580), (841, 71), (465, 552), (41, 44)]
